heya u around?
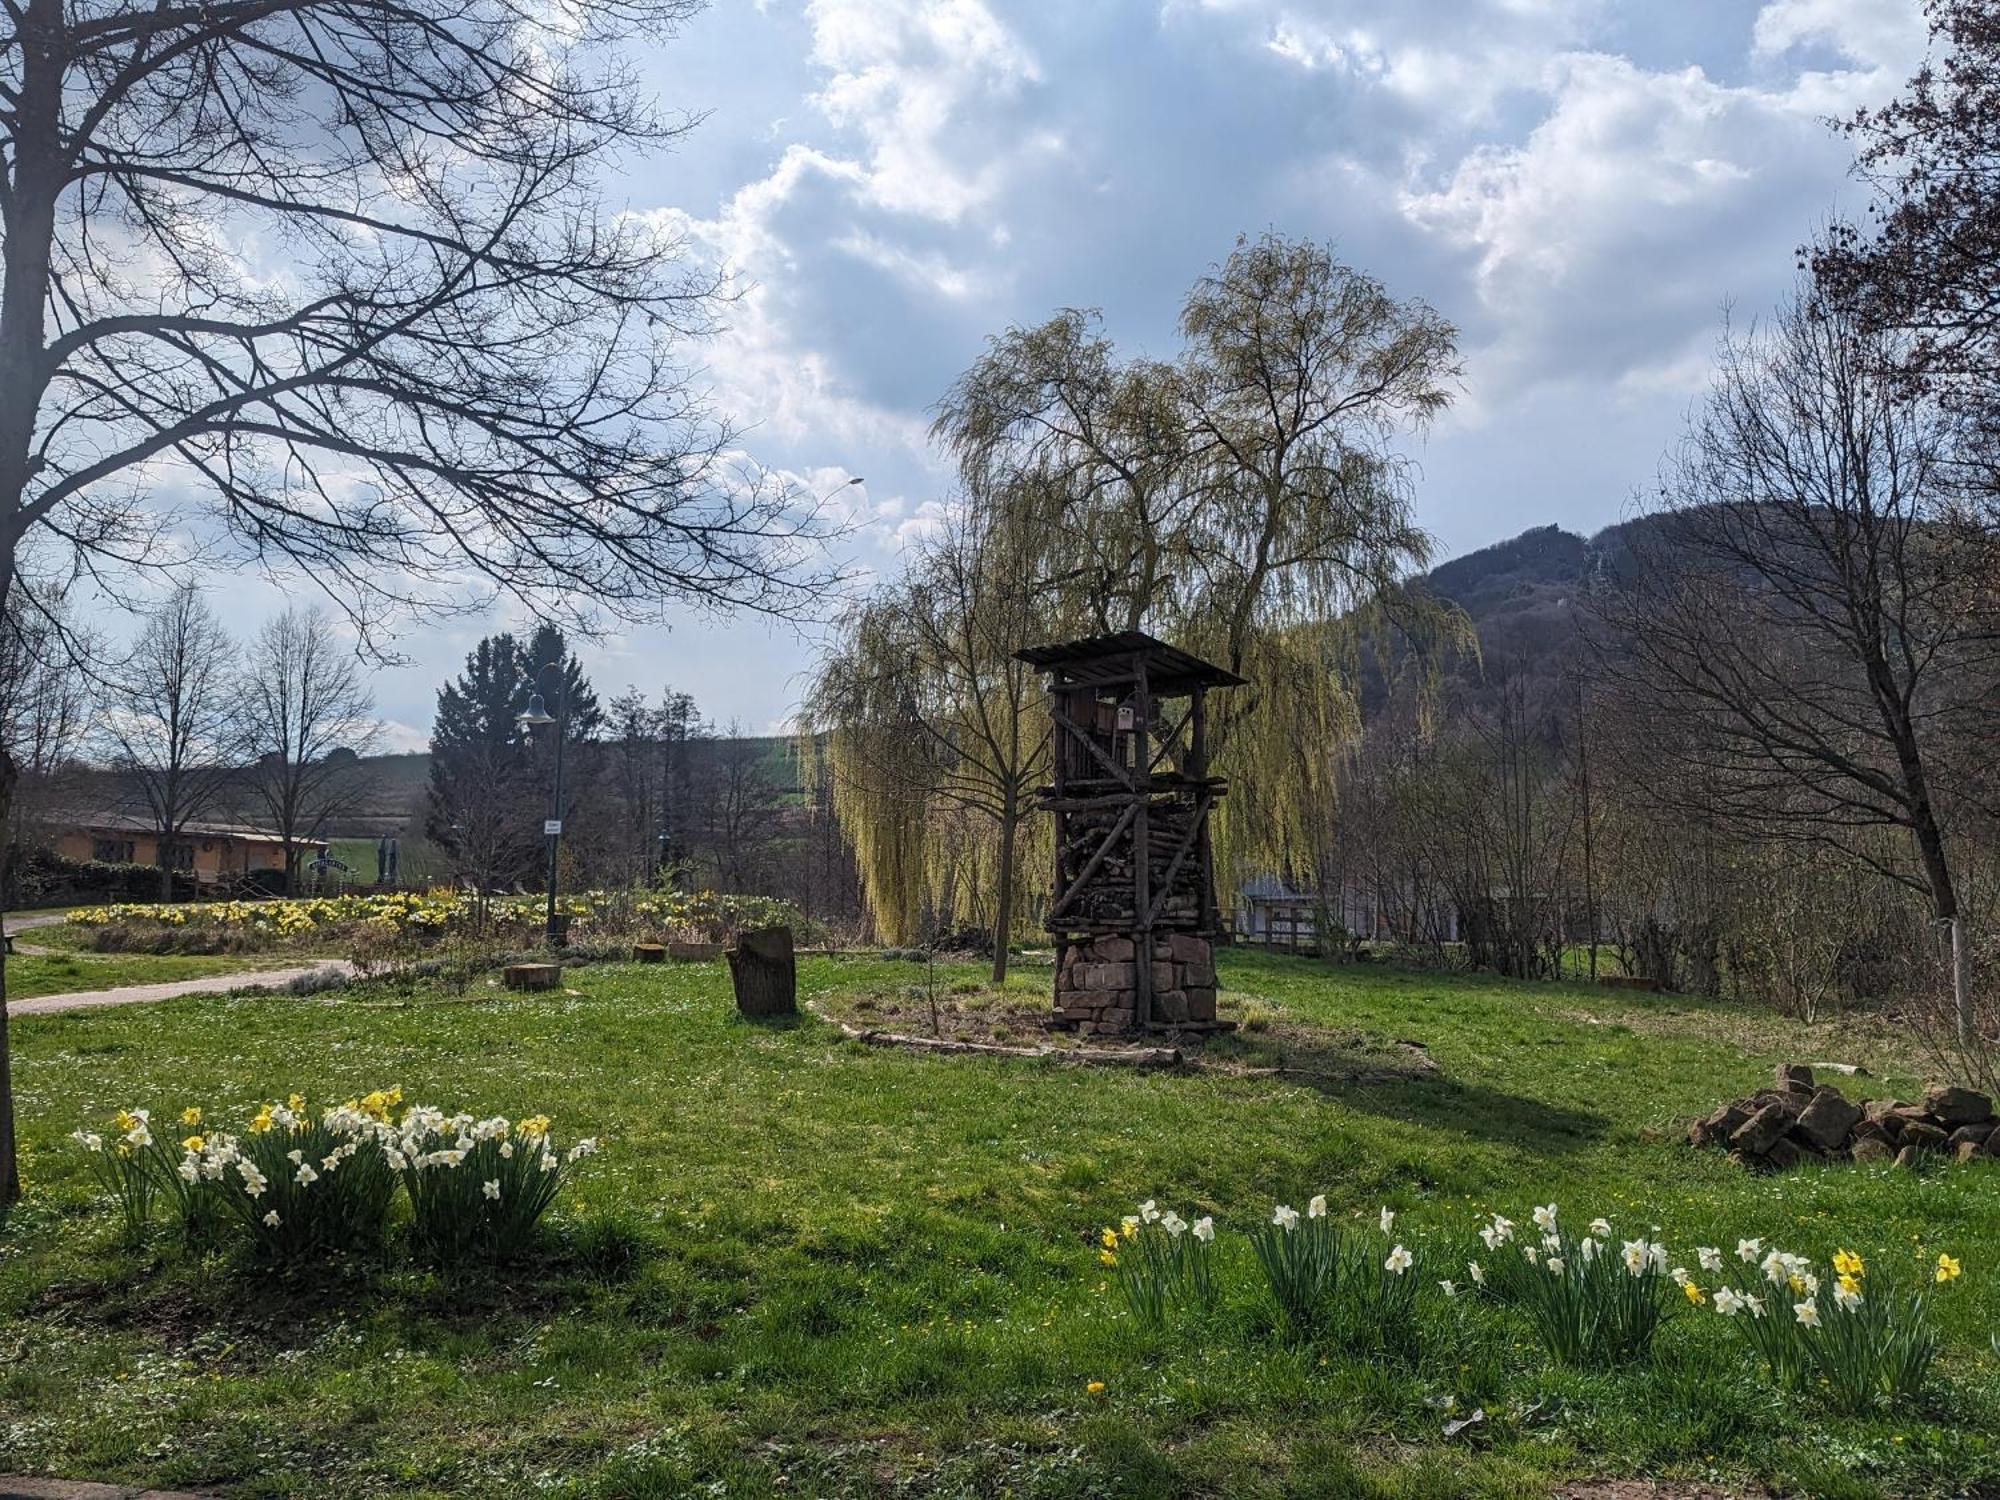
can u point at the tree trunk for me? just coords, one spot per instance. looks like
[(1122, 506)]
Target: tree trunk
[(763, 972), (1003, 921), (10, 1174)]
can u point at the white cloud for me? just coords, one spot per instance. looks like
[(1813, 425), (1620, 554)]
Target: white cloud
[(904, 75), (1878, 34)]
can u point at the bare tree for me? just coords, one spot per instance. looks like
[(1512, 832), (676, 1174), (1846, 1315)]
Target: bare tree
[(45, 699), (302, 699), (171, 723), (1800, 632), (464, 375)]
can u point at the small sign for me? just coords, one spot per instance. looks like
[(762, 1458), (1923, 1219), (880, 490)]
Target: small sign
[(551, 827)]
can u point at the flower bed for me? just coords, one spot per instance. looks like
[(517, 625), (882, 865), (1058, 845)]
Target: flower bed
[(298, 1184), (418, 918)]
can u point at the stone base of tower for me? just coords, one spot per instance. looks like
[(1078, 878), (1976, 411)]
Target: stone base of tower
[(1097, 986)]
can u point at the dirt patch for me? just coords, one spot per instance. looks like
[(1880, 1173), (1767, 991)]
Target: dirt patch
[(1268, 1043)]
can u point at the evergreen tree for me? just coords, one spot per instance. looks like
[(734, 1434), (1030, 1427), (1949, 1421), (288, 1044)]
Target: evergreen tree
[(584, 715), (482, 770)]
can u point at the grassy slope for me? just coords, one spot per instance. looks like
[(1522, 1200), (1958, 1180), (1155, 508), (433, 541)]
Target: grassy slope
[(805, 1267)]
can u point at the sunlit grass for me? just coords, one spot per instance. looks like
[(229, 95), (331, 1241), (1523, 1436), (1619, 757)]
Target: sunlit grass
[(806, 1266)]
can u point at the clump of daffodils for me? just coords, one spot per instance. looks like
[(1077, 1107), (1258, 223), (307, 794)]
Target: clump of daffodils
[(1859, 1341), (122, 1162), (1356, 1289), (478, 1187), (1161, 1261), (302, 1181), (1593, 1298)]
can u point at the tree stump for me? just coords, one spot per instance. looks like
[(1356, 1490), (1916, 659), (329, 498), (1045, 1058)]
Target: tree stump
[(532, 976), (764, 974), (649, 953)]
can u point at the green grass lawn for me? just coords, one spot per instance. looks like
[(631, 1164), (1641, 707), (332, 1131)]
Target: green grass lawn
[(807, 1267)]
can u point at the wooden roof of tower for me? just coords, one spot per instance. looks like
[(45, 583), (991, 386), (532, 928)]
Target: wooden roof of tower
[(1115, 658)]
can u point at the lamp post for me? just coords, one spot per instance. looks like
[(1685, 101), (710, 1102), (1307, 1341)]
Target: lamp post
[(537, 715)]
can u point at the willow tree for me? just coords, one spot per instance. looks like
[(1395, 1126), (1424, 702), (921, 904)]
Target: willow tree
[(932, 735), (1249, 500)]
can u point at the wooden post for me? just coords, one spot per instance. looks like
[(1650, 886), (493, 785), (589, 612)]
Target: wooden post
[(1142, 879), (764, 973)]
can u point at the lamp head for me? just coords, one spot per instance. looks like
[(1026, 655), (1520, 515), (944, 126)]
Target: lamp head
[(537, 714)]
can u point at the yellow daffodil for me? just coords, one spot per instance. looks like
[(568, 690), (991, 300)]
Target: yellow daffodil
[(1109, 1239), (191, 1115), (296, 1103), (193, 1143), (1948, 1269), (1131, 1230), (1108, 1257), (1692, 1293), (1850, 1284), (262, 1122), (1096, 1388), (1847, 1263)]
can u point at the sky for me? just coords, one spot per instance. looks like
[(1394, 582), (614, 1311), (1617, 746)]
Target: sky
[(1583, 187)]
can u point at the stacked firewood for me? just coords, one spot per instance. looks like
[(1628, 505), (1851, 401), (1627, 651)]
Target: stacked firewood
[(1109, 895)]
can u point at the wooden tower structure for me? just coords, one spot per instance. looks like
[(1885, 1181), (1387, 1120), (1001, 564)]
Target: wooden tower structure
[(1133, 911)]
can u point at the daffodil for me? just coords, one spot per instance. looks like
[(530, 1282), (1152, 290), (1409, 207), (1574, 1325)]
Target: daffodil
[(1807, 1313), (1399, 1261), (1847, 1263), (1693, 1293), (1948, 1269), (1285, 1217)]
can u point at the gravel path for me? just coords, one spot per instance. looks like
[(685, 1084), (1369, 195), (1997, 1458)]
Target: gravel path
[(214, 984)]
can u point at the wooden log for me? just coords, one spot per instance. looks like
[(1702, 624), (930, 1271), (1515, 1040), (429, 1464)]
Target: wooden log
[(764, 973), (532, 976), (649, 953), (694, 953), (1123, 1057)]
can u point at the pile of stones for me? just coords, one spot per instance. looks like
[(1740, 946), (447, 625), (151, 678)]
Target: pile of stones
[(1797, 1119)]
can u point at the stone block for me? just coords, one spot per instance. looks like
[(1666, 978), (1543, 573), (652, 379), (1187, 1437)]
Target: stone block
[(1188, 950), (1109, 977), (1793, 1078), (1201, 1002), (1113, 950), (1955, 1106), (1164, 977), (1971, 1150), (1969, 1135), (1919, 1136), (1993, 1142), (1784, 1154), (1718, 1127), (1827, 1118), (1871, 1148), (1909, 1157), (1791, 1103), (1170, 1005), (1761, 1131)]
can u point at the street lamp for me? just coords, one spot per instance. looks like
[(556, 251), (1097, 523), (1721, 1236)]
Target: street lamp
[(537, 715)]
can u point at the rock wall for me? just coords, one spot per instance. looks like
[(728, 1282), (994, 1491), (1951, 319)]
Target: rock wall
[(1097, 987)]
